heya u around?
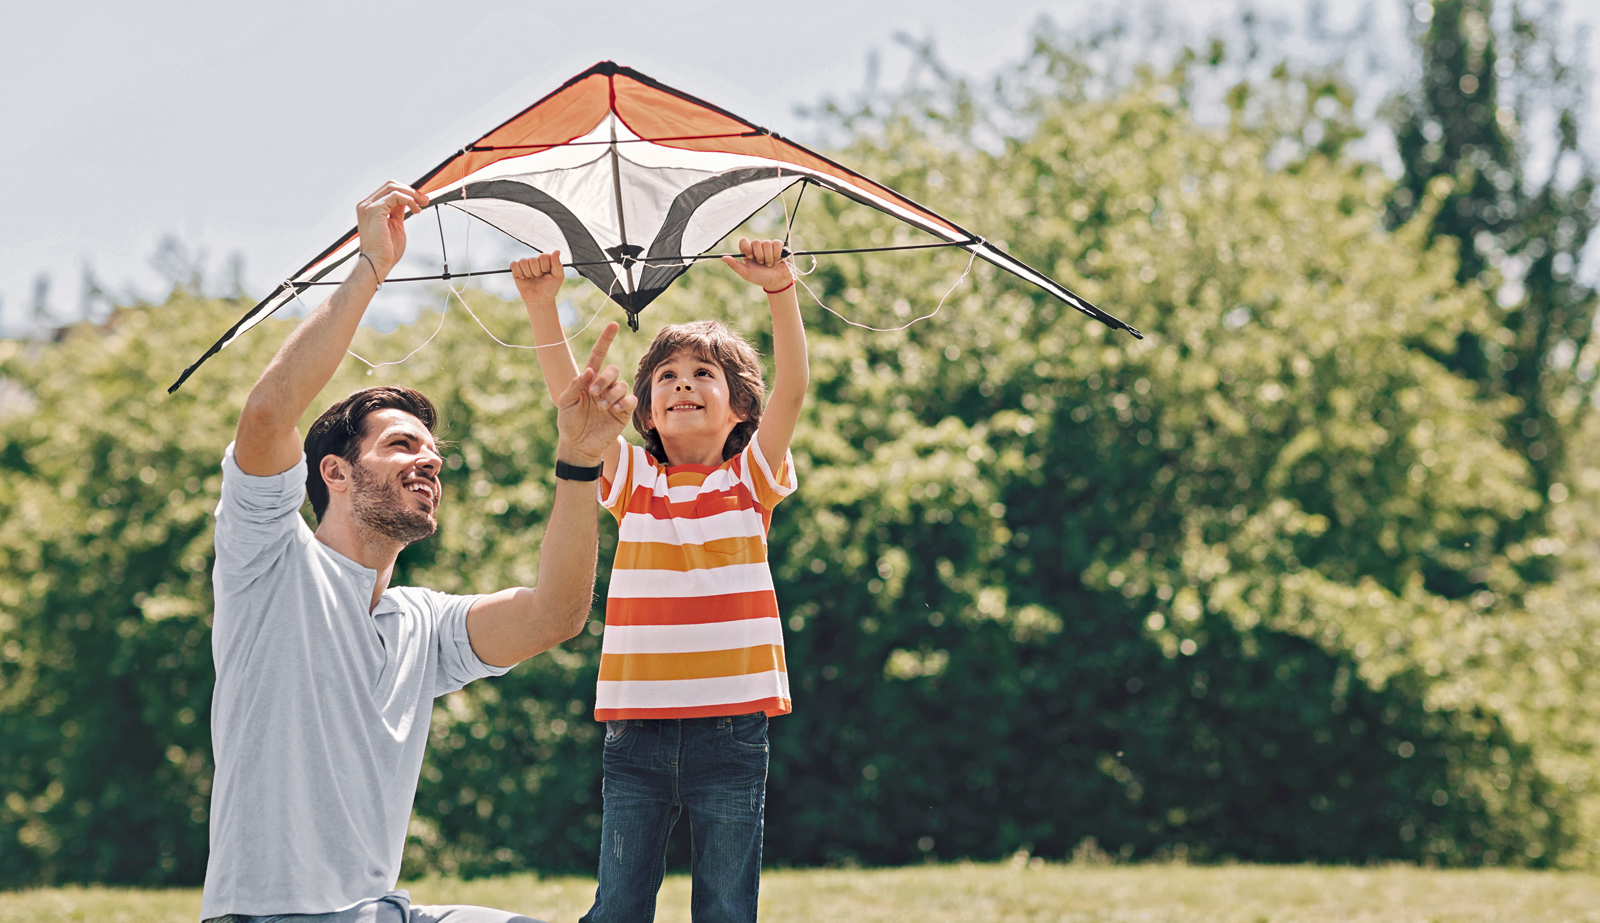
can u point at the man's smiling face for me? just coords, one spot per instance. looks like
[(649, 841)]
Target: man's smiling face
[(689, 402), (395, 484)]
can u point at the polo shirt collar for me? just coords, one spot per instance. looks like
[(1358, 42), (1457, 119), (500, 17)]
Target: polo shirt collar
[(361, 576)]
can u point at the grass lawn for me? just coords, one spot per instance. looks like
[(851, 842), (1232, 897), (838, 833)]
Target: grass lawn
[(970, 892)]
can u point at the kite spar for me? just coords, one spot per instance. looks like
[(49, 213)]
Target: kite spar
[(635, 181)]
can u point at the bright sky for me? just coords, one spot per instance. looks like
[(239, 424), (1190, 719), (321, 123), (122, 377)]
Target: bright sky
[(254, 128)]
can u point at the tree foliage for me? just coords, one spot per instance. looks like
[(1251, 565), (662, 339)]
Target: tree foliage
[(1248, 587), (1519, 210)]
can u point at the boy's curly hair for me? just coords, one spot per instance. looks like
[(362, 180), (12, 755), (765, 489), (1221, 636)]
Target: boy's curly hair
[(711, 342)]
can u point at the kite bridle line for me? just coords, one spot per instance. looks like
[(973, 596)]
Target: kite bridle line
[(970, 259), (566, 340), (445, 255), (460, 296), (378, 365)]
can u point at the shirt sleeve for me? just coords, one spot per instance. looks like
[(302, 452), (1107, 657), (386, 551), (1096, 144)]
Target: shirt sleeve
[(768, 487), (632, 464), (458, 662), (256, 517)]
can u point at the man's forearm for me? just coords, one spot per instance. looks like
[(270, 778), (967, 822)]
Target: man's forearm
[(516, 624), (308, 360), (512, 625), (267, 441), (568, 553)]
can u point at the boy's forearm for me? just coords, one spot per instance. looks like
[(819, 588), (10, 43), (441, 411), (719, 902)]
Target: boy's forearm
[(793, 372), (791, 365), (555, 356)]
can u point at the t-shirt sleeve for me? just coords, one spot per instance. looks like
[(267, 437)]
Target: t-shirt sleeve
[(458, 663), (632, 464), (255, 518), (766, 485)]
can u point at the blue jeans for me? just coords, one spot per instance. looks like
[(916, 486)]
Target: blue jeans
[(716, 769)]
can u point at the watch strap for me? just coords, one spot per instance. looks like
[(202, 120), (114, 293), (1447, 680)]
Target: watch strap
[(568, 472)]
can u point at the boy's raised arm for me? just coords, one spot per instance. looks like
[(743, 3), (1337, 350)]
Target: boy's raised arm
[(538, 281), (764, 265)]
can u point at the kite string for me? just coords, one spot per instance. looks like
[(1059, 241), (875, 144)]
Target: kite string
[(788, 227), (408, 355), (295, 293), (908, 323), (466, 258), (566, 340)]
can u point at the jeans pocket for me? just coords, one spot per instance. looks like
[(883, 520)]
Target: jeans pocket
[(749, 732), (616, 731)]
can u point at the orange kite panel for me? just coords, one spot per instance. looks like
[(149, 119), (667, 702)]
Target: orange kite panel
[(568, 113), (654, 113)]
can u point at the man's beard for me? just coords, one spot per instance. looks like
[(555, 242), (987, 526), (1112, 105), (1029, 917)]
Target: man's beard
[(385, 507)]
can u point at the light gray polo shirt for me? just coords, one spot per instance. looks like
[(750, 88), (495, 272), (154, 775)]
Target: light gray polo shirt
[(320, 714)]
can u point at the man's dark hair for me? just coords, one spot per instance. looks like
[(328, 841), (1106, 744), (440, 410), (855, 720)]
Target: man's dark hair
[(711, 342), (340, 429)]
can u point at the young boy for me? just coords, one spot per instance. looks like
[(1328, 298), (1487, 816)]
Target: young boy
[(692, 662)]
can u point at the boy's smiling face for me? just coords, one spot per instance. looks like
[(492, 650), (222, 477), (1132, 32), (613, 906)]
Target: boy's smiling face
[(690, 409)]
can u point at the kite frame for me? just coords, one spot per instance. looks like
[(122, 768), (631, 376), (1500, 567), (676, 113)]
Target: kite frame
[(294, 285)]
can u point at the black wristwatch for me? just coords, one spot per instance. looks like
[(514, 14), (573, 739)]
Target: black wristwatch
[(568, 472)]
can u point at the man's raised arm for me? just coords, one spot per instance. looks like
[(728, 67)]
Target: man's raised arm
[(512, 625), (268, 441)]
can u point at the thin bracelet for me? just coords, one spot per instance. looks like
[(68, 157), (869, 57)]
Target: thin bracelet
[(778, 291), (363, 255)]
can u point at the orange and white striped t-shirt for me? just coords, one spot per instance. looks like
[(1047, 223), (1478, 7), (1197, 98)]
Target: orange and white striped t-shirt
[(692, 626)]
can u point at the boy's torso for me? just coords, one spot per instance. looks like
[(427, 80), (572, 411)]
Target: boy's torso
[(692, 622)]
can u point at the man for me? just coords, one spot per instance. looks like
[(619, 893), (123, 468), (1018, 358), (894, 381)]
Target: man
[(325, 675)]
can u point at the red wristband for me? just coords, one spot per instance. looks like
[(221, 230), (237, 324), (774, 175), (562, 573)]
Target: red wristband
[(778, 291)]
